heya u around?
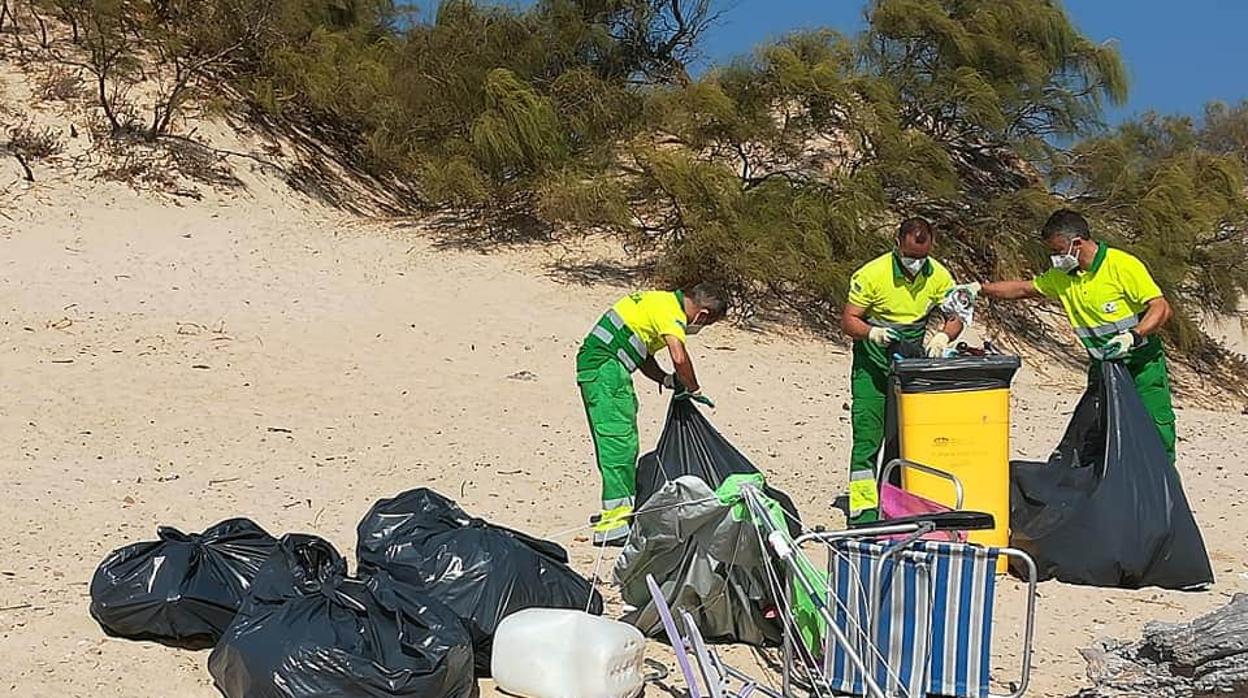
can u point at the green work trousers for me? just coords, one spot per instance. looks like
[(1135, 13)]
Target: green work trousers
[(611, 407), (1152, 382), (868, 388)]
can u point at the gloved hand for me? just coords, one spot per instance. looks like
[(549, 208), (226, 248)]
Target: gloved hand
[(972, 288), (937, 345), (696, 396), (671, 382), (1121, 345), (883, 336)]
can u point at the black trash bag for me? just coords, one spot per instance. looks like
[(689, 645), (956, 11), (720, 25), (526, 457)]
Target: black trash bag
[(703, 558), (481, 571), (1108, 508), (309, 630), (906, 350), (182, 590), (689, 445)]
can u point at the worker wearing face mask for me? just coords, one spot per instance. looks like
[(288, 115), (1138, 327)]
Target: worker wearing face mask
[(890, 300), (1114, 305), (624, 340)]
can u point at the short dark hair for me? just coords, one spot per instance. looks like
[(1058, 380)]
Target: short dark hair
[(915, 227), (1067, 223), (710, 297)]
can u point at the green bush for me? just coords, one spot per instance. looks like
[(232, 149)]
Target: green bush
[(777, 173)]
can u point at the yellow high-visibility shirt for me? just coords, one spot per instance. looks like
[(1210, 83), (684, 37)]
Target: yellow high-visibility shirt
[(1108, 299), (893, 299), (634, 329)]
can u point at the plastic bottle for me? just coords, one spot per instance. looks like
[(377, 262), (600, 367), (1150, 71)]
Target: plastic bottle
[(555, 653)]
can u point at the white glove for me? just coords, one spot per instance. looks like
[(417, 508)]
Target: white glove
[(883, 336), (972, 289), (959, 301), (1120, 345), (937, 345)]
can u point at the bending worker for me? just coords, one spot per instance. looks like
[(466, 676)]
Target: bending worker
[(1114, 305), (624, 340), (890, 300)]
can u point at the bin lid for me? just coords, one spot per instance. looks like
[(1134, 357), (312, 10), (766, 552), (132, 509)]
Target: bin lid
[(956, 374)]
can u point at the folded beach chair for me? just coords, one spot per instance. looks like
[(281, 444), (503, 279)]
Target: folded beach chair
[(918, 612)]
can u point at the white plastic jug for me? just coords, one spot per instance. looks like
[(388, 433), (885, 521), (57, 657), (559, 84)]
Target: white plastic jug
[(556, 653)]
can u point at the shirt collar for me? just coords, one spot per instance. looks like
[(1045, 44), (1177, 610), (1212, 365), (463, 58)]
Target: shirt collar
[(1097, 261)]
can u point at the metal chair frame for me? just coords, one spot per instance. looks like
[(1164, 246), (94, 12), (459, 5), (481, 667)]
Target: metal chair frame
[(914, 532)]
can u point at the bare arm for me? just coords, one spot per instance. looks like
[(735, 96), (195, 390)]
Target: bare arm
[(1158, 314), (651, 369), (1010, 290), (682, 363), (853, 322)]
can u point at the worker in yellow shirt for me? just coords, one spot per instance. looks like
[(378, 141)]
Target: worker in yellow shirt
[(1114, 305), (625, 339), (890, 300)]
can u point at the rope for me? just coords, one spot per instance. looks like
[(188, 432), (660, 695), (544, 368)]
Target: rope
[(578, 529), (594, 580)]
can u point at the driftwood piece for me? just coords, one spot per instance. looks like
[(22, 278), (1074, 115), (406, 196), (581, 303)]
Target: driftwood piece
[(1206, 658)]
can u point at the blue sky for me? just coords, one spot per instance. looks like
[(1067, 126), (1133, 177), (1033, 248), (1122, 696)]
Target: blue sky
[(1179, 53)]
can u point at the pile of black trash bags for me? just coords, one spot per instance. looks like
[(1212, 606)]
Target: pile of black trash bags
[(286, 618)]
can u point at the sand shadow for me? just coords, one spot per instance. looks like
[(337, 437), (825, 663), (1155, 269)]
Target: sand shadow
[(593, 272)]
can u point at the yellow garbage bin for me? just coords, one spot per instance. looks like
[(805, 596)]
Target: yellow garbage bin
[(954, 414)]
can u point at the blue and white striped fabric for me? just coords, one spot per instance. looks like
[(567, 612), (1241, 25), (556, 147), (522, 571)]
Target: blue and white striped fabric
[(965, 582), (899, 650)]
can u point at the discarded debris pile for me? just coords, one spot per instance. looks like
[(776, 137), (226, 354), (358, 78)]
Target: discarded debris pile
[(308, 629), (1205, 658), (690, 534)]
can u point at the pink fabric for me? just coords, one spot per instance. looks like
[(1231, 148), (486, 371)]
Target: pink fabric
[(896, 503)]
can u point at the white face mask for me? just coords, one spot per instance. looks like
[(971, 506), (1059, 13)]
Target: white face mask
[(1065, 262), (912, 264), (697, 324)]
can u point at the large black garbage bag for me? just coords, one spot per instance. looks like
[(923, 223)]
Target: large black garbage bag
[(309, 630), (481, 571), (1108, 507), (689, 445), (183, 589), (704, 558)]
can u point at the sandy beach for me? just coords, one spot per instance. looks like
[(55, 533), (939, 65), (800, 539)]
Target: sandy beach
[(170, 362)]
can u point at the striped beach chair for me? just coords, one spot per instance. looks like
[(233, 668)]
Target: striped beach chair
[(965, 579), (874, 596), (919, 612)]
